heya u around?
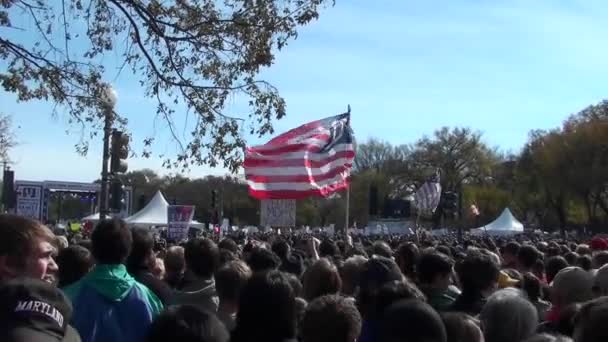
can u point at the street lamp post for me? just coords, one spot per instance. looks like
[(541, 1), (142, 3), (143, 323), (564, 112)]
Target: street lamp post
[(108, 101)]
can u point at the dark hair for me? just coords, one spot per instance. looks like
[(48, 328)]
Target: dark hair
[(413, 321), (381, 248), (321, 278), (395, 291), (328, 248), (600, 259), (590, 321), (227, 256), (187, 323), (331, 318), (553, 266), (571, 258), (431, 265), (202, 257), (281, 248), (511, 248), (477, 272), (532, 287), (262, 259), (461, 327), (230, 280), (111, 242), (74, 262), (229, 245), (548, 338), (407, 257), (266, 299), (584, 262), (142, 249), (527, 256)]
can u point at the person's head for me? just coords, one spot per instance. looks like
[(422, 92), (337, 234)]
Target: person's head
[(230, 280), (461, 327), (600, 282), (548, 338), (583, 249), (74, 262), (553, 266), (202, 257), (331, 318), (229, 245), (599, 259), (281, 248), (111, 242), (413, 321), (527, 257), (393, 292), (571, 258), (142, 251), (175, 263), (435, 270), (584, 262), (478, 273), (188, 324), (26, 249), (34, 310), (321, 278), (158, 270), (262, 259), (267, 309), (381, 248), (531, 286), (509, 253), (571, 285), (328, 249), (508, 316), (377, 272), (350, 272), (590, 322), (407, 257)]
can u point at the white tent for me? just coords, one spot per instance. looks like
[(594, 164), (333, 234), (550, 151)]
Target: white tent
[(154, 214), (505, 224)]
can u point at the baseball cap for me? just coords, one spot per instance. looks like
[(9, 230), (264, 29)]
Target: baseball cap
[(504, 280), (32, 310), (573, 284)]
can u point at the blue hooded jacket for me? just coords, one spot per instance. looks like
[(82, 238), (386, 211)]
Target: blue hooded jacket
[(109, 305)]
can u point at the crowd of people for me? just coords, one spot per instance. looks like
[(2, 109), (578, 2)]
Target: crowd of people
[(123, 284)]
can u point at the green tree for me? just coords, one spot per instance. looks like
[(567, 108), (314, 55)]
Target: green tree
[(200, 53)]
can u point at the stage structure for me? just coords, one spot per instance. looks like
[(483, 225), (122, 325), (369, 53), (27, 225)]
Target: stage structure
[(32, 198)]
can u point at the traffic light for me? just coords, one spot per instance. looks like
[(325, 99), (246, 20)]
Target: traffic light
[(119, 152), (117, 196), (213, 198), (450, 203)]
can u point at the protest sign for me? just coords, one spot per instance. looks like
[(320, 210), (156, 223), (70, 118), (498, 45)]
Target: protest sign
[(179, 218)]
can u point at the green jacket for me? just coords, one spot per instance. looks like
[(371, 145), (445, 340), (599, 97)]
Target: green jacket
[(104, 298)]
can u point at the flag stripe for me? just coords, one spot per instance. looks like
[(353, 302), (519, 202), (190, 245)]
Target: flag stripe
[(298, 178), (299, 169), (301, 155), (313, 159), (298, 194), (346, 156)]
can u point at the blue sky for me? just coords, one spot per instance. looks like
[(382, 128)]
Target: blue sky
[(405, 67)]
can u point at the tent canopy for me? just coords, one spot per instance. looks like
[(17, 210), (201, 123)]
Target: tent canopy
[(505, 224), (154, 214)]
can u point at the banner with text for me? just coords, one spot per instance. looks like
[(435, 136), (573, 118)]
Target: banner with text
[(278, 213), (29, 200), (179, 218)]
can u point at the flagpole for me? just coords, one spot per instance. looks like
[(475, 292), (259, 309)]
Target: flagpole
[(347, 209)]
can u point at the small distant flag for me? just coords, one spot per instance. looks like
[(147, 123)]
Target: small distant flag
[(314, 159), (429, 194)]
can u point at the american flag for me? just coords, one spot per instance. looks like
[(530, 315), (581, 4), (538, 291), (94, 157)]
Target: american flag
[(429, 194), (314, 159)]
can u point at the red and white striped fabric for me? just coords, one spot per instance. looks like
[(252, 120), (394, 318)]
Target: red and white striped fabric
[(314, 159)]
